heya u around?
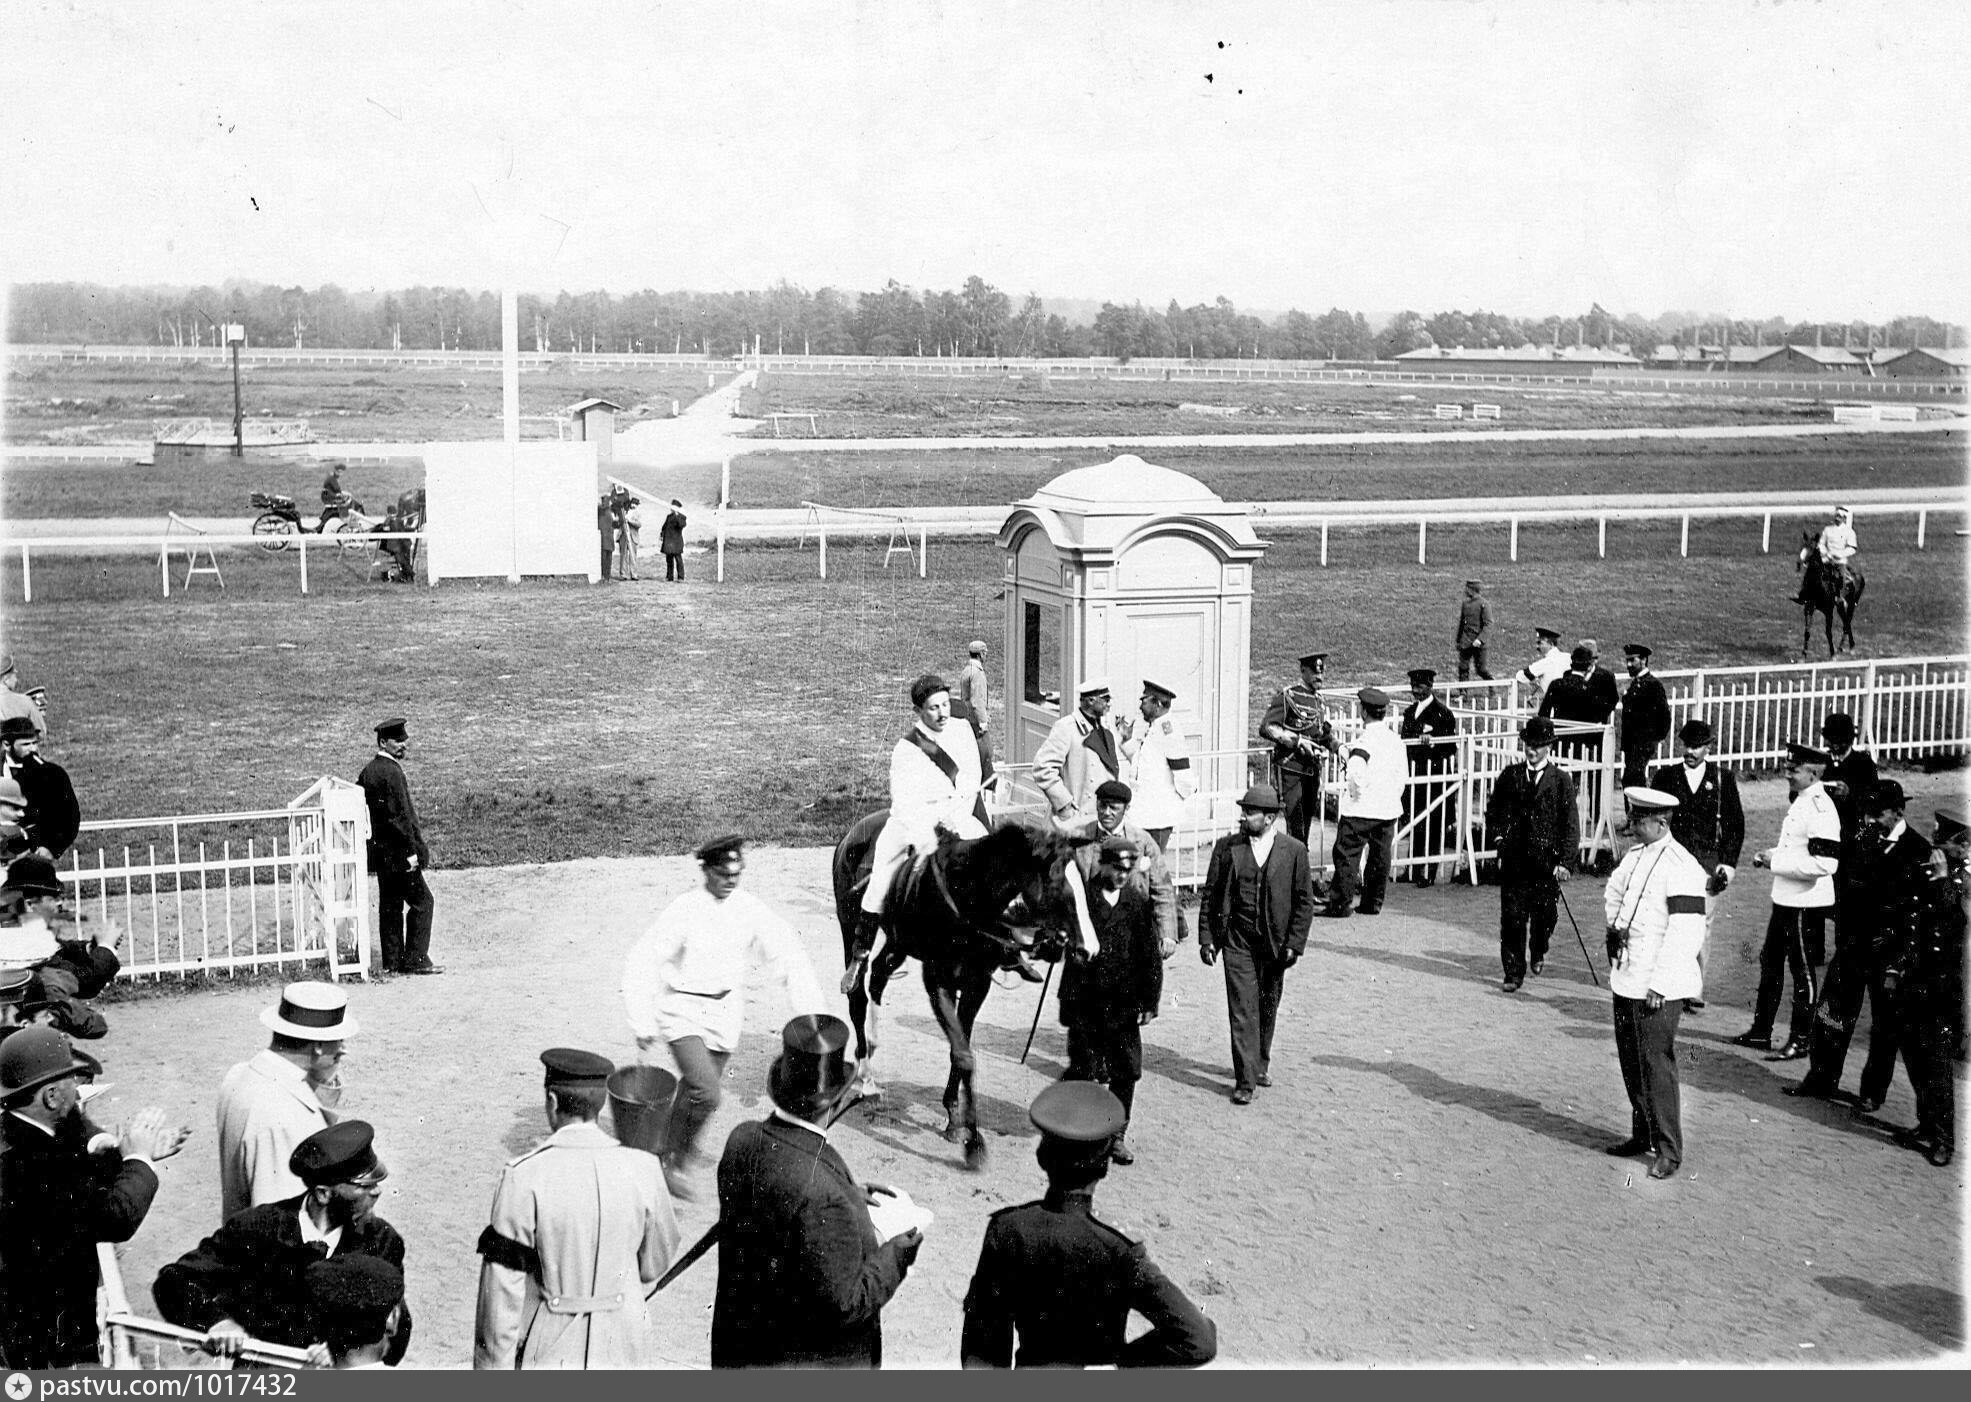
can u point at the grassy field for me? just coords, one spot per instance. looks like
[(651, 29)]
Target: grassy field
[(99, 401), (219, 486), (889, 406), (553, 721)]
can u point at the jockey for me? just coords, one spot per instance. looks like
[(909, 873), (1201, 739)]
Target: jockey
[(1837, 546), (934, 783)]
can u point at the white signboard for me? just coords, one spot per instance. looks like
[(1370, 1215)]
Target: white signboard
[(498, 509)]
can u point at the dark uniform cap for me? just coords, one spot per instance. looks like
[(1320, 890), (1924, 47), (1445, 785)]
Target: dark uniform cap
[(1806, 754), (720, 850), (396, 728), (35, 875), (342, 1153), (1078, 1112), (1473, 584), (1636, 650), (1119, 847), (1839, 727), (1887, 793), (353, 1294), (1547, 633), (1113, 791), (1316, 660), (1694, 732), (1581, 656), (1372, 696), (566, 1066), (1951, 824), (1537, 731), (1422, 676), (1159, 690), (17, 728), (1261, 796)]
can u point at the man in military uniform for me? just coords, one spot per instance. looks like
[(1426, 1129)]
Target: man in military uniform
[(1645, 715), (582, 1227), (1061, 1281), (1429, 730), (1548, 663), (1157, 764), (1803, 863), (1150, 873), (1708, 821), (1298, 729), (398, 855), (1106, 1000), (1532, 823), (1850, 776), (1474, 623), (1079, 752), (1926, 976)]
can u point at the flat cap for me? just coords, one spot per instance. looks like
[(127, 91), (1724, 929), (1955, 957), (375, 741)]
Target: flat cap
[(1642, 800), (1806, 754), (1422, 676), (1113, 791), (1316, 660), (1696, 731), (1581, 656), (1372, 696), (396, 728), (1886, 794), (568, 1066), (1548, 633), (1079, 1112), (342, 1153), (1473, 584), (1537, 731), (1636, 650), (1159, 690), (1951, 824), (1261, 796), (17, 728), (1119, 846), (719, 850), (353, 1294), (1090, 685), (976, 647)]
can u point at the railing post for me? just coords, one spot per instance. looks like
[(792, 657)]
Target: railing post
[(1922, 520), (301, 543), (1683, 545), (164, 567), (718, 548), (1514, 551), (1420, 541), (821, 535), (27, 577), (1865, 722), (1324, 542), (923, 550), (1766, 536), (1601, 538)]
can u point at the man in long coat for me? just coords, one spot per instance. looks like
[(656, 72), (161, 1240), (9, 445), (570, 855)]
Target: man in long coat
[(1645, 710), (397, 855), (1106, 1000), (1429, 732), (1079, 754), (1534, 826), (582, 1227)]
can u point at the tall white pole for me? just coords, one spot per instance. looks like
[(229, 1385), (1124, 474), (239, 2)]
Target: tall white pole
[(510, 397)]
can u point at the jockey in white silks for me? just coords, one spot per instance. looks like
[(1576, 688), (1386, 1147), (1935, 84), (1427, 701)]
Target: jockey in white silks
[(1837, 546), (934, 787)]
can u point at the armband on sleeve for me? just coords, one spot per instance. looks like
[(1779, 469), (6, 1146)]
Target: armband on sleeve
[(505, 1251), (1686, 905), (1823, 847)]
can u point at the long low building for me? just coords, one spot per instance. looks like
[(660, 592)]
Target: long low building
[(1517, 360)]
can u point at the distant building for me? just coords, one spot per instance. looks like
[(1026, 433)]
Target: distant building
[(1933, 362), (1519, 360)]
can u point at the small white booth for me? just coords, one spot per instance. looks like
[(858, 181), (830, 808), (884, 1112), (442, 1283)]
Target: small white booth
[(1127, 570)]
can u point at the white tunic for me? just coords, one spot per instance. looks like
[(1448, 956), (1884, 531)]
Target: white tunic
[(1656, 894), (1803, 878), (1542, 670), (921, 797), (1157, 768), (1377, 771), (686, 975), (1837, 542)]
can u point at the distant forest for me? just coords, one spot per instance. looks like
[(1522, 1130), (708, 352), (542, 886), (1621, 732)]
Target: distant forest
[(975, 320)]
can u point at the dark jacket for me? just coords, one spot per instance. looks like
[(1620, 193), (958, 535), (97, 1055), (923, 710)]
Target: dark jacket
[(670, 540), (53, 815), (1286, 894), (91, 965), (1890, 891), (394, 831), (1710, 823), (1645, 715), (56, 1202), (1125, 977), (253, 1270), (1581, 698), (802, 1278), (1856, 770), (1434, 719), (1533, 822), (1066, 1282)]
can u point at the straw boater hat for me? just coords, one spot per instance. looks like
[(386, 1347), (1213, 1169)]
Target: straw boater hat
[(313, 1012)]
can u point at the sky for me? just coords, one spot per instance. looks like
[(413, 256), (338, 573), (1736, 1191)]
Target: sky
[(1805, 160)]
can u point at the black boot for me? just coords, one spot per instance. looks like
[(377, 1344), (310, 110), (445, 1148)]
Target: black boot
[(866, 930)]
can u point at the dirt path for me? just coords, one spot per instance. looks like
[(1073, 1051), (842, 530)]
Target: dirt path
[(1423, 1184)]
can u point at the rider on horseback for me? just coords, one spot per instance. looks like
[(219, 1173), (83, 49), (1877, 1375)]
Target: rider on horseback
[(1837, 546)]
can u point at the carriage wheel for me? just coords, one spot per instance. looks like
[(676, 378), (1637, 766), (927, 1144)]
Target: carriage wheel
[(275, 528), (354, 547)]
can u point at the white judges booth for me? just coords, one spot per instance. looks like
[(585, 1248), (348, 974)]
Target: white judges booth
[(511, 510), (1127, 570)]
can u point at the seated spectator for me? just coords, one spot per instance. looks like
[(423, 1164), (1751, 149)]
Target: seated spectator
[(91, 960), (53, 817)]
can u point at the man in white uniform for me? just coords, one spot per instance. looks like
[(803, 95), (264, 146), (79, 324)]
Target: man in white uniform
[(934, 783), (1654, 906), (269, 1104), (1548, 662), (684, 986), (1837, 546), (1080, 753), (1371, 802), (1157, 764)]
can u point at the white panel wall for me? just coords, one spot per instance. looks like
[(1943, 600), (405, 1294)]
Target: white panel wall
[(495, 506)]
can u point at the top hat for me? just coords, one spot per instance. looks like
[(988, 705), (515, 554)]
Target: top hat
[(1158, 690), (812, 1070), (1537, 731), (393, 729), (1642, 800), (345, 1152), (567, 1066), (17, 728), (33, 1057), (1696, 731), (313, 1012), (1262, 796), (719, 850)]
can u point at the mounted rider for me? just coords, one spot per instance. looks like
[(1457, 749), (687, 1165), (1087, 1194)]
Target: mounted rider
[(1837, 546)]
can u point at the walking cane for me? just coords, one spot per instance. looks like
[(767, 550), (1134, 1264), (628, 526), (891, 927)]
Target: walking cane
[(1036, 1011), (1577, 935)]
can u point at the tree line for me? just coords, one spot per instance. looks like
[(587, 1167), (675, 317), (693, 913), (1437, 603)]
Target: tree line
[(976, 319)]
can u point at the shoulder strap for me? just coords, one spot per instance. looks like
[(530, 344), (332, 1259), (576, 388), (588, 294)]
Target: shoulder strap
[(934, 752)]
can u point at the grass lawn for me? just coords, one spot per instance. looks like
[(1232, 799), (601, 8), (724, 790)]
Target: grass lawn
[(100, 401), (1012, 405), (557, 720)]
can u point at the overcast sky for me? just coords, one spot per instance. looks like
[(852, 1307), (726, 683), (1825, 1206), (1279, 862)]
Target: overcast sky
[(1796, 159)]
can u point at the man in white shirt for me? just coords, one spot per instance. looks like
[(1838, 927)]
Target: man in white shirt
[(1654, 908), (1548, 662), (1837, 545), (285, 1093), (1803, 864), (684, 987), (1371, 802), (1157, 763)]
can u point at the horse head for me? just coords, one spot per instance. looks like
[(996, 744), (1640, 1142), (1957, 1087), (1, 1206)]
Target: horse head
[(1047, 912), (1809, 552)]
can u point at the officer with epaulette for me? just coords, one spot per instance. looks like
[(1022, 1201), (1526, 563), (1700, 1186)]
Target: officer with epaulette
[(1926, 976), (1803, 863), (1063, 1280), (1157, 764), (581, 1228), (1298, 729)]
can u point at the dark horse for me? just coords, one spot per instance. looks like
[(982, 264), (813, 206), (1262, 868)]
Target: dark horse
[(962, 910), (1826, 593)]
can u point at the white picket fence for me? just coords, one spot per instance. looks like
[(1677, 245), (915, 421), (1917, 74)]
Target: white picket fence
[(231, 891)]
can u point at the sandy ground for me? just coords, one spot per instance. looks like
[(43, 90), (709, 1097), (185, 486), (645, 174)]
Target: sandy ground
[(1423, 1184)]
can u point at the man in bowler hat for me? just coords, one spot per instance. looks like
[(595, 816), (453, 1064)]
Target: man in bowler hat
[(803, 1275), (1534, 826), (398, 855), (249, 1279), (1063, 1282), (1257, 908)]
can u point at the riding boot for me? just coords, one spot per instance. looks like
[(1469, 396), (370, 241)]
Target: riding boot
[(867, 928)]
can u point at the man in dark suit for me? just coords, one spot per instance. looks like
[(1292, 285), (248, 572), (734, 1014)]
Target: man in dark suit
[(1926, 976), (1850, 776), (53, 816), (1257, 907), (60, 1194), (398, 856), (1429, 731), (1535, 828), (1708, 821), (1106, 1000), (1579, 695), (1062, 1279), (249, 1279), (803, 1276), (1645, 715)]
